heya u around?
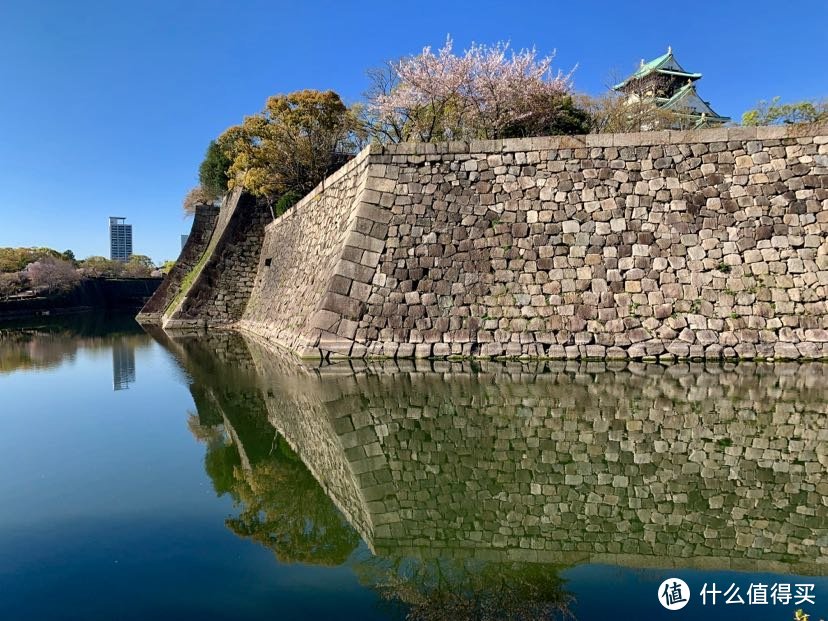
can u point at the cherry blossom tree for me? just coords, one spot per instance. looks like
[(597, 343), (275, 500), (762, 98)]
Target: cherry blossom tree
[(487, 92), (195, 197), (52, 275), (10, 283)]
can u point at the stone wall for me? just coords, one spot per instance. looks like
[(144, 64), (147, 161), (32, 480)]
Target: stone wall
[(212, 280), (668, 244), (304, 293), (204, 222), (220, 292)]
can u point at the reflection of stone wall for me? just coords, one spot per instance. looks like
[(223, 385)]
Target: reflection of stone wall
[(242, 381), (667, 464), (301, 416), (645, 465), (635, 464)]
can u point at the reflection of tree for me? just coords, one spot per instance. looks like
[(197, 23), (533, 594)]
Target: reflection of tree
[(459, 590), (281, 505), (221, 458), (285, 509), (45, 344)]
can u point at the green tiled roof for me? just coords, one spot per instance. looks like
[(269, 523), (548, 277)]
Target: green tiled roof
[(654, 65), (669, 102), (693, 76), (651, 66)]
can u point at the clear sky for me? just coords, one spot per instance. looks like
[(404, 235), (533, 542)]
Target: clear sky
[(107, 106)]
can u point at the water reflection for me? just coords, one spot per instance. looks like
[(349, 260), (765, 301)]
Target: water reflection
[(123, 364), (45, 343), (280, 504), (472, 486)]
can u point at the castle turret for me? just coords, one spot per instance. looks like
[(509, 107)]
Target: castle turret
[(665, 83)]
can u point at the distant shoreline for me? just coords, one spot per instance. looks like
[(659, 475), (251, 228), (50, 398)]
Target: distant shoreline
[(88, 295)]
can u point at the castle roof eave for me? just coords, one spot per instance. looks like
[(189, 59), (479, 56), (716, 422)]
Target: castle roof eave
[(654, 66), (685, 91)]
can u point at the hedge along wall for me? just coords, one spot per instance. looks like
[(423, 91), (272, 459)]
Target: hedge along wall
[(679, 244)]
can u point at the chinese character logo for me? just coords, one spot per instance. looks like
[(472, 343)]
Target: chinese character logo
[(673, 594)]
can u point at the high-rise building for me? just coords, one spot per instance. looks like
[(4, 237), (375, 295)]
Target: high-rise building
[(120, 239)]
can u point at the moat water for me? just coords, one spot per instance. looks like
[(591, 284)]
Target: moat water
[(145, 476)]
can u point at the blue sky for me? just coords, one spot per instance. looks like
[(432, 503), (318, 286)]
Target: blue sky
[(107, 106)]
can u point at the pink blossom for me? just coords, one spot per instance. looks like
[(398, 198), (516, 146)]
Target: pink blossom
[(478, 94)]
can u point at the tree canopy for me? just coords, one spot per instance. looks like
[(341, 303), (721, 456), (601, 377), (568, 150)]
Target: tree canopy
[(775, 113), (16, 259), (281, 505), (212, 174), (96, 266), (52, 274), (486, 92), (291, 145), (138, 266)]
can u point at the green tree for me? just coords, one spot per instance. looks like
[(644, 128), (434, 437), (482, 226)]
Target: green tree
[(286, 201), (138, 266), (212, 174), (775, 113), (167, 266), (68, 255), (291, 145), (16, 259), (98, 267)]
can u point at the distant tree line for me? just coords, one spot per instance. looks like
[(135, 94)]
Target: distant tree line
[(282, 152), (46, 271)]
